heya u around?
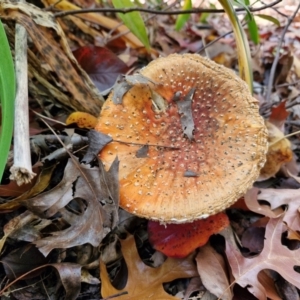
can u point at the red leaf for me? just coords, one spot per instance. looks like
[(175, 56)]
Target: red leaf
[(279, 114), (179, 240), (101, 64)]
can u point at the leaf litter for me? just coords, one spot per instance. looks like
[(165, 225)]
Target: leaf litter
[(72, 209)]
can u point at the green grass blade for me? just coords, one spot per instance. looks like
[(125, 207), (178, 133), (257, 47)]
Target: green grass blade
[(242, 44), (7, 98), (269, 18), (182, 19), (133, 21), (253, 31)]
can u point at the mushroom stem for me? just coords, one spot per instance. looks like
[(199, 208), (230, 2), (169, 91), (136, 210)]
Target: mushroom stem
[(21, 171)]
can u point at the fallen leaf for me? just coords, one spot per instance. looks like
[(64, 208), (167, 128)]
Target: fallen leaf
[(179, 240), (251, 201), (23, 260), (186, 116), (145, 282), (268, 284), (279, 152), (14, 225), (276, 198), (12, 189), (195, 285), (125, 83), (278, 115), (212, 270), (100, 191), (57, 55), (101, 64), (70, 276), (253, 239), (97, 141), (41, 183), (274, 256)]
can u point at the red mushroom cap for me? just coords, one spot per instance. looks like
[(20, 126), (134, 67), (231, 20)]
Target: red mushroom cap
[(190, 141)]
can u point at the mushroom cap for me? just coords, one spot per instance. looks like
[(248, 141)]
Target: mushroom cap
[(176, 178)]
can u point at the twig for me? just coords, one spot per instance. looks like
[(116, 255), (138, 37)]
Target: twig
[(276, 59), (277, 10), (158, 12), (214, 41), (287, 84), (21, 170)]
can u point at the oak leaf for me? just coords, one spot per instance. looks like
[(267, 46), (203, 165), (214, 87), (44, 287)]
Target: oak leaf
[(274, 256), (276, 198), (98, 188), (145, 282)]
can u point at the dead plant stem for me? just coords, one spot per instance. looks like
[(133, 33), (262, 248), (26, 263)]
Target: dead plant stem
[(277, 56), (21, 171)]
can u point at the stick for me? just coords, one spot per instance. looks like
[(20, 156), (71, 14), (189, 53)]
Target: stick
[(21, 171)]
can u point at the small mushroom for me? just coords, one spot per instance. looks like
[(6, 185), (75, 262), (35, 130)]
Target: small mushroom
[(190, 140)]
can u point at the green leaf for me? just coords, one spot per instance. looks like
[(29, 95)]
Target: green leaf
[(253, 31), (269, 18), (133, 21), (182, 19), (204, 16), (7, 98)]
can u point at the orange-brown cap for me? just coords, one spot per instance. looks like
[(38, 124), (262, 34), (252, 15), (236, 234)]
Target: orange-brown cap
[(190, 141)]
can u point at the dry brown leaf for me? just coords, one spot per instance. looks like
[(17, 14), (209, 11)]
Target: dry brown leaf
[(279, 152), (277, 198), (15, 224), (98, 188), (269, 285), (253, 205), (274, 256), (213, 273), (41, 183), (85, 96), (145, 282)]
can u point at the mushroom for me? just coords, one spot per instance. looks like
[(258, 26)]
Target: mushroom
[(189, 139)]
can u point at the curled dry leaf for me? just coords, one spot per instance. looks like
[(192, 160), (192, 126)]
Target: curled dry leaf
[(23, 260), (95, 186), (279, 152), (274, 256), (144, 282), (41, 183), (179, 240)]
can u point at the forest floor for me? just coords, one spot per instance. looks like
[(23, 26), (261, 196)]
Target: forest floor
[(64, 236)]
